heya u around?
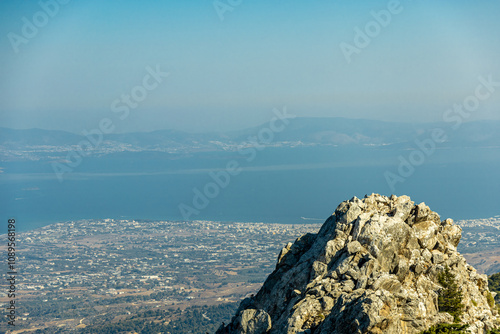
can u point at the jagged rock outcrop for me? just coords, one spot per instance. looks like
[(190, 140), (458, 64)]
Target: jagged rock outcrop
[(372, 268)]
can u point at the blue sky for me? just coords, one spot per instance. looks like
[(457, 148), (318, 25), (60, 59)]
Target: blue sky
[(231, 73)]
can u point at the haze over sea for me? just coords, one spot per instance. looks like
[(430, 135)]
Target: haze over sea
[(280, 186)]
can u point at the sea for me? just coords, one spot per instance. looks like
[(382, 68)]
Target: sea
[(280, 185)]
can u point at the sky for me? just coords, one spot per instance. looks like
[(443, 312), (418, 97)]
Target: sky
[(225, 65)]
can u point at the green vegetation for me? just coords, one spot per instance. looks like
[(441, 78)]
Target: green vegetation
[(450, 298), (494, 282), (494, 285), (447, 329), (494, 331), (491, 301)]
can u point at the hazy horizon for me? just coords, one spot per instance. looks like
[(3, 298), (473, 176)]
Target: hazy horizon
[(66, 65), (247, 126)]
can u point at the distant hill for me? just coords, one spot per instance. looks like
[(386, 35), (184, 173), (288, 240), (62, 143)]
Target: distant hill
[(299, 131), (346, 131), (19, 138)]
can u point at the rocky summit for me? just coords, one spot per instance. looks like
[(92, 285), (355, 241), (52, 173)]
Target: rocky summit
[(372, 268)]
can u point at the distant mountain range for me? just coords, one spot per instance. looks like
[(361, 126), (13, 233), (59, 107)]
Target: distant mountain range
[(299, 132)]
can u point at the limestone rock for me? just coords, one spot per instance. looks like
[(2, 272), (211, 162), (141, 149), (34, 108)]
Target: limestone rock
[(372, 268), (252, 321)]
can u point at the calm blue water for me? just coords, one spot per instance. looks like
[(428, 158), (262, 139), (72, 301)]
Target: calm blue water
[(263, 192)]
